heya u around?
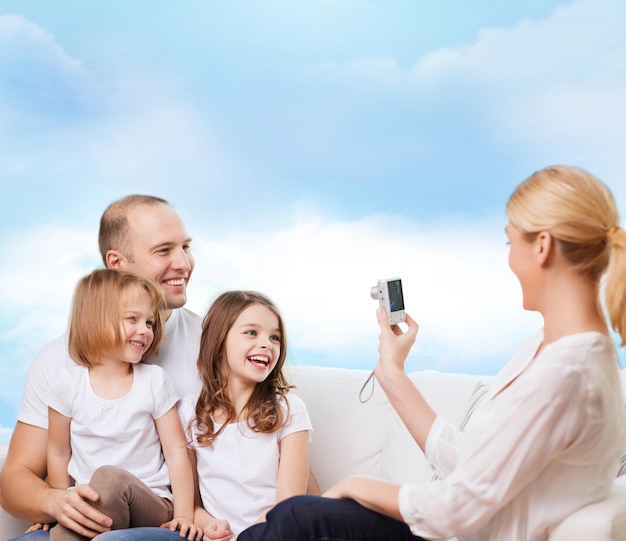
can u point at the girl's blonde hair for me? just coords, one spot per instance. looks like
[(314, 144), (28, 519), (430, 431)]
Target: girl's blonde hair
[(97, 309), (579, 211), (263, 412)]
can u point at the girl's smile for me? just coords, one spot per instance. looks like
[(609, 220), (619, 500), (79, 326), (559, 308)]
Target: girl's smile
[(137, 325)]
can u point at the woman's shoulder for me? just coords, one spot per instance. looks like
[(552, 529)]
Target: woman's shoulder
[(579, 348), (580, 364)]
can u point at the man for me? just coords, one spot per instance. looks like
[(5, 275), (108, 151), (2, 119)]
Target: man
[(143, 235)]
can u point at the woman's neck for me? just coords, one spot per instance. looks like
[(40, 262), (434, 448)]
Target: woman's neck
[(571, 306)]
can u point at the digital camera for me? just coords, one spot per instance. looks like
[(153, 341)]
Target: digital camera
[(389, 294)]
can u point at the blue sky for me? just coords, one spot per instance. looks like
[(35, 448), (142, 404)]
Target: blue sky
[(311, 147)]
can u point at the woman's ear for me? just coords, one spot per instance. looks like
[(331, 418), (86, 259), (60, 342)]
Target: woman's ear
[(544, 247)]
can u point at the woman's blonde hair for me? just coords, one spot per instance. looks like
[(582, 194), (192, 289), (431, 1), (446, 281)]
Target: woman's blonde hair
[(263, 412), (97, 313), (579, 211)]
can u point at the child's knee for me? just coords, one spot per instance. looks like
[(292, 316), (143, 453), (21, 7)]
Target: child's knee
[(107, 478)]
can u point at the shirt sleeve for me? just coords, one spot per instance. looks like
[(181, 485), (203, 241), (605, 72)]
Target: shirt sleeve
[(165, 396), (186, 412), (501, 459), (59, 395), (298, 417), (45, 368), (442, 447)]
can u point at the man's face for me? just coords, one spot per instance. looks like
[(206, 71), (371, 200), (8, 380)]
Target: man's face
[(159, 249)]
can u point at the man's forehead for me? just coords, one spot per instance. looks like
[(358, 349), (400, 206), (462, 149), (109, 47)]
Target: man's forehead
[(142, 214), (156, 225)]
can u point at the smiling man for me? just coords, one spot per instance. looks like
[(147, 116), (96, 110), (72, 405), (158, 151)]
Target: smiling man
[(143, 235)]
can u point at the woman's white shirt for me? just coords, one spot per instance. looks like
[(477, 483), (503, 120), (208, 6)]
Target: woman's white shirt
[(545, 441)]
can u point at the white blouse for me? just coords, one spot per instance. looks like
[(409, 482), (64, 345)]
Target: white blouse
[(544, 442)]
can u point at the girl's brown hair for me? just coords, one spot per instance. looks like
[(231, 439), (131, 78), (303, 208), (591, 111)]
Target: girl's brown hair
[(263, 411), (97, 312), (579, 211)]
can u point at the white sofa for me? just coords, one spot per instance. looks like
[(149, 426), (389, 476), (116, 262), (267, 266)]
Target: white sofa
[(351, 437)]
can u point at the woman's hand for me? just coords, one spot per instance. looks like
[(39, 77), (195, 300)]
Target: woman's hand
[(375, 494), (404, 396), (337, 491), (394, 344)]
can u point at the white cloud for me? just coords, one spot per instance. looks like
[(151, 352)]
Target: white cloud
[(157, 143), (580, 43), (25, 39), (39, 273), (573, 39), (457, 285), (118, 128), (45, 263), (39, 79)]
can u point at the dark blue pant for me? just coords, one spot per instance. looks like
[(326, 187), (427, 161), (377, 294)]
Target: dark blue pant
[(130, 534), (312, 518)]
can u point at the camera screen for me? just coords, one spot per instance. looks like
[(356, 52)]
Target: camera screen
[(396, 300)]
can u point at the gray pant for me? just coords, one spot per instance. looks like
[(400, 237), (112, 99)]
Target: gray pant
[(126, 499)]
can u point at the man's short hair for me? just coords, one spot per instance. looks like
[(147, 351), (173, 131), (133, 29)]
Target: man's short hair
[(113, 234)]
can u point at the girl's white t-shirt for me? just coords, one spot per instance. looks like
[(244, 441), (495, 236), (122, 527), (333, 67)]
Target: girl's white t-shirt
[(118, 432), (238, 474)]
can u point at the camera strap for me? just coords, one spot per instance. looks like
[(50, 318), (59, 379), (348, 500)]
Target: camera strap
[(371, 378)]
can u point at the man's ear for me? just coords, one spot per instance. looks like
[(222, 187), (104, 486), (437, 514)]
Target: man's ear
[(115, 260), (545, 246)]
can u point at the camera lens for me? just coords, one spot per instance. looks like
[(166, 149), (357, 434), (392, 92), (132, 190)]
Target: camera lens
[(374, 292)]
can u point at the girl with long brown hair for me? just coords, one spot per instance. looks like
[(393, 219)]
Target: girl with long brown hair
[(248, 438)]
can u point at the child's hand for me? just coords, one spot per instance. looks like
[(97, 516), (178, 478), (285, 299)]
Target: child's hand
[(217, 530), (39, 526), (187, 529)]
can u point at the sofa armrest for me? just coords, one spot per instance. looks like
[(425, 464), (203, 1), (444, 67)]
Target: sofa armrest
[(601, 521)]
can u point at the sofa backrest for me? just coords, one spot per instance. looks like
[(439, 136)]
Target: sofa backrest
[(350, 437)]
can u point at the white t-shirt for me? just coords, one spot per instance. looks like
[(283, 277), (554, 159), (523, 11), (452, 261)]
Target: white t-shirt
[(238, 475), (178, 355), (119, 432), (545, 441)]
